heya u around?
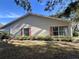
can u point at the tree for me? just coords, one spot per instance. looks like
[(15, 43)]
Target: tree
[(49, 6), (25, 4), (72, 8)]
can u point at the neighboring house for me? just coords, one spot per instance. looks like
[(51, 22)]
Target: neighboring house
[(1, 25), (36, 25)]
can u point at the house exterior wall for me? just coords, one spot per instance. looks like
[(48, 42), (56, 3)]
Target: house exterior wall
[(38, 25)]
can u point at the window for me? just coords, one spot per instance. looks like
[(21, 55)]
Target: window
[(26, 31), (59, 30), (55, 30)]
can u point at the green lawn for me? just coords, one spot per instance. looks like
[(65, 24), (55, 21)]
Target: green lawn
[(39, 50)]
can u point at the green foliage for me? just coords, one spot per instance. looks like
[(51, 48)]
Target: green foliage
[(48, 38), (49, 4), (72, 8), (26, 37), (44, 38), (25, 4), (75, 34), (4, 35), (17, 37), (67, 39), (62, 38)]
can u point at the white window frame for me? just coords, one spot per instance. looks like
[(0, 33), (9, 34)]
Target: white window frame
[(60, 31)]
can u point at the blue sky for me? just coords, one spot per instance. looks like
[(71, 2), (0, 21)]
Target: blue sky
[(9, 11)]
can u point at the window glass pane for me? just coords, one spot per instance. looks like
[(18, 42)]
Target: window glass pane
[(26, 31), (55, 28), (55, 33), (61, 30), (62, 33)]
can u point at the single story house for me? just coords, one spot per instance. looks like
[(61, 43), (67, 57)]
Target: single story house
[(36, 25)]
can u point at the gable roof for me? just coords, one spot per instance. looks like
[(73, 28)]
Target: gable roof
[(58, 19)]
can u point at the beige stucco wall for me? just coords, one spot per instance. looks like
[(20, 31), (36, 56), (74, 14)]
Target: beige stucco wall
[(39, 25)]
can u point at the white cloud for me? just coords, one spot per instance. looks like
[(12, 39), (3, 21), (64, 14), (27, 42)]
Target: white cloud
[(10, 15)]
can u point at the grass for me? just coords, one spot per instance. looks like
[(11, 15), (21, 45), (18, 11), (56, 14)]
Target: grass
[(38, 50)]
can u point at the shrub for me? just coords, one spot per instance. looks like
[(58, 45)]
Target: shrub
[(32, 38), (48, 38), (25, 37), (4, 35), (44, 38), (75, 34), (17, 37), (67, 39), (38, 38), (62, 38)]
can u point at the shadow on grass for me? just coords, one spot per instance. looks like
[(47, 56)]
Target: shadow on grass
[(48, 51)]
